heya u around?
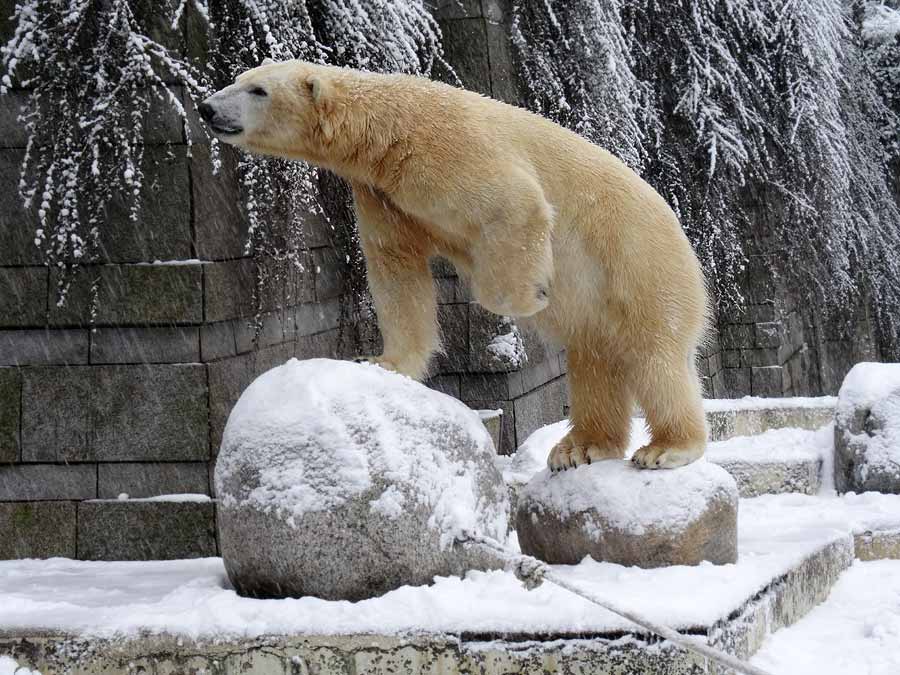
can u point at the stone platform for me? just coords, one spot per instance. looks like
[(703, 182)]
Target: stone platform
[(792, 550)]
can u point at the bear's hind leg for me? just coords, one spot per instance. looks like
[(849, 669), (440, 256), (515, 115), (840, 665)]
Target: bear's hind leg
[(600, 414), (671, 399)]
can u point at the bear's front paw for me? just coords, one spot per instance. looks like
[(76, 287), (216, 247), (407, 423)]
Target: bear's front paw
[(665, 457), (568, 453), (526, 303)]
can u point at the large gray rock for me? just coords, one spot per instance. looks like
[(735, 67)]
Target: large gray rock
[(867, 430), (345, 481), (615, 512)]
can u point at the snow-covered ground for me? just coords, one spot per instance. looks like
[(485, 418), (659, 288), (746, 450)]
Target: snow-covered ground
[(191, 597), (855, 632)]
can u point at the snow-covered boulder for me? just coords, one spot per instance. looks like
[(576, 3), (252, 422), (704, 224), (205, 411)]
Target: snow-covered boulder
[(867, 430), (344, 481), (616, 512)]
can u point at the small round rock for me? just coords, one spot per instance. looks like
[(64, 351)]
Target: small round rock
[(615, 512), (344, 481)]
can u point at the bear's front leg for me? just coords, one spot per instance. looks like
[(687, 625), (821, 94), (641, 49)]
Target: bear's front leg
[(397, 251), (512, 261)]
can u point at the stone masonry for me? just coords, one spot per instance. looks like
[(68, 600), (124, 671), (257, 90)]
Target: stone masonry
[(134, 400)]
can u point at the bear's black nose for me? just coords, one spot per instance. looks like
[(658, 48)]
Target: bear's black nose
[(206, 111)]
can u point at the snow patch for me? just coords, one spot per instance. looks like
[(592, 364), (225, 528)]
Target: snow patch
[(881, 23), (9, 666), (760, 403), (865, 384), (856, 630)]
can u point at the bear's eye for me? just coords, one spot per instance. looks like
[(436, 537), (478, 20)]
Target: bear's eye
[(258, 91)]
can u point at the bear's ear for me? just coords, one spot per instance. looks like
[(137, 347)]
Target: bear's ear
[(267, 62)]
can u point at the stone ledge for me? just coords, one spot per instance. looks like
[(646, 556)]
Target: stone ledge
[(727, 418), (791, 474), (784, 600)]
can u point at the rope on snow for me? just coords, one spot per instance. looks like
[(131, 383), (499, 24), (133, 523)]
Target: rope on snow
[(532, 573)]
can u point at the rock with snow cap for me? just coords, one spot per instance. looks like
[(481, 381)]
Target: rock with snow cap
[(614, 512), (344, 481), (867, 430)]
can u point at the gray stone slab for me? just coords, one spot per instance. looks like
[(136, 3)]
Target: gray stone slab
[(447, 384), (737, 336), (321, 345), (10, 409), (312, 318), (217, 340), (453, 321), (220, 226), (36, 482), (791, 474), (37, 530), (504, 80), (12, 131), (151, 480), (133, 294), (466, 47), (269, 330), (23, 296), (90, 414), (505, 442), (145, 530), (331, 272), (539, 408), (486, 386), (270, 357), (162, 230), (228, 289), (163, 344), (163, 123), (37, 347), (170, 424), (56, 416), (17, 226), (767, 381), (227, 380), (454, 9)]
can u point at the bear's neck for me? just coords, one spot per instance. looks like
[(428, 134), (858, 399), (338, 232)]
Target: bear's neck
[(370, 139)]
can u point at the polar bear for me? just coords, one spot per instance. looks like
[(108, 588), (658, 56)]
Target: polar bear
[(542, 223)]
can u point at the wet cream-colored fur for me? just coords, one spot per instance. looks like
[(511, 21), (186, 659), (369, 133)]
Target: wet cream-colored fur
[(542, 223)]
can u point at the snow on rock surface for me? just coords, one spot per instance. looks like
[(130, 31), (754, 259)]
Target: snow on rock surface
[(614, 511), (856, 630), (192, 598), (867, 429), (345, 480), (9, 666)]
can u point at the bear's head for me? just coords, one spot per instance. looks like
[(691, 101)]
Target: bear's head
[(276, 109)]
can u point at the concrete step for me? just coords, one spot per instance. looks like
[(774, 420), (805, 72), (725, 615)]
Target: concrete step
[(775, 461), (792, 550), (752, 415)]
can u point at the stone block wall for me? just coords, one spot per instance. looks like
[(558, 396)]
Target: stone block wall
[(774, 344), (126, 388)]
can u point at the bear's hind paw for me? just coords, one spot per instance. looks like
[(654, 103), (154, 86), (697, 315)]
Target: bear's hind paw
[(567, 455), (665, 457)]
